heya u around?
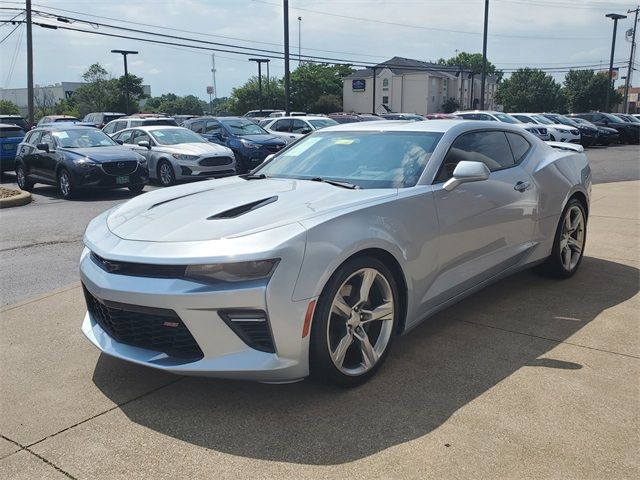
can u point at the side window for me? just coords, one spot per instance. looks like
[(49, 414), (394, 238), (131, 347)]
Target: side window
[(120, 126), (125, 137), (34, 138), (48, 139), (197, 127), (212, 128), (140, 136), (109, 129), (519, 146), (595, 118), (135, 123), (282, 126), (490, 148), (299, 126)]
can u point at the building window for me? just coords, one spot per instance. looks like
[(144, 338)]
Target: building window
[(385, 100), (385, 84)]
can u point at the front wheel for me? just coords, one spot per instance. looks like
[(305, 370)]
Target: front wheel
[(569, 242), (166, 174), (65, 185), (354, 323)]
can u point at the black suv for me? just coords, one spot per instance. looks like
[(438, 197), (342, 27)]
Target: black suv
[(100, 119), (629, 132), (15, 120)]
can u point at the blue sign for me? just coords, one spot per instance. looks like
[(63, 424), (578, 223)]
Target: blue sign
[(358, 85)]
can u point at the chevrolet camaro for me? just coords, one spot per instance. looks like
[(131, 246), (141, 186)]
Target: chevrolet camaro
[(315, 261)]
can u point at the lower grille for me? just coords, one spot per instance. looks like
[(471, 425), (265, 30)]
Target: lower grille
[(215, 161), (124, 167), (156, 329), (251, 326)]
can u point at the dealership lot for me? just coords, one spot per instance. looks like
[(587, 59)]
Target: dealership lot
[(530, 378)]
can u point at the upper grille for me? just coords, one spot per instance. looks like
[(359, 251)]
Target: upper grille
[(274, 148), (215, 161), (138, 269), (124, 167), (156, 329)]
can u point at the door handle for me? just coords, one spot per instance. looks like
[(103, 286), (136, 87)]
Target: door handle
[(521, 186)]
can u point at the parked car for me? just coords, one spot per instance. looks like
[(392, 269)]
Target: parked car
[(292, 128), (10, 136), (100, 119), (130, 122), (588, 135), (606, 135), (414, 117), (557, 131), (56, 119), (283, 114), (627, 118), (177, 153), (353, 117), (75, 158), (15, 120), (487, 115), (260, 114), (180, 119), (318, 259), (250, 143), (440, 116), (629, 132)]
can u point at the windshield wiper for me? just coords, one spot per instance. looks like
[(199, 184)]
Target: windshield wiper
[(259, 176), (337, 183)]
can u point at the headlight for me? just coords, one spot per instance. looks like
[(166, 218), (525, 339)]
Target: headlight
[(142, 161), (232, 272), (84, 162), (251, 145), (180, 156), (575, 132)]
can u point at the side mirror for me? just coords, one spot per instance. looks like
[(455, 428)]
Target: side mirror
[(144, 143), (43, 146), (466, 172), (120, 142)]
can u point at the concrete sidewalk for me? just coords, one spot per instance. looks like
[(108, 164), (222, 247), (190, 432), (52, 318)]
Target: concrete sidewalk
[(530, 378)]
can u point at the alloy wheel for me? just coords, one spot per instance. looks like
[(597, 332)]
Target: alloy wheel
[(65, 184), (21, 178), (360, 322), (166, 175), (572, 238)]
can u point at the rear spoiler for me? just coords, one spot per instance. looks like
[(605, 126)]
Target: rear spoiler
[(572, 147)]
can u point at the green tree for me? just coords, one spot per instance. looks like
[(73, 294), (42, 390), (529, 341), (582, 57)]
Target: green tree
[(247, 96), (472, 62), (172, 104), (117, 100), (310, 81), (450, 105), (529, 90), (7, 107), (327, 104), (586, 90)]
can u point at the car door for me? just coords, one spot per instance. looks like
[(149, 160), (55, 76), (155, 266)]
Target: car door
[(214, 132), (485, 226), (48, 161), (28, 151)]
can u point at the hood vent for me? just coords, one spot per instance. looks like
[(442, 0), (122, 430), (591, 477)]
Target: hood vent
[(177, 198), (241, 210)]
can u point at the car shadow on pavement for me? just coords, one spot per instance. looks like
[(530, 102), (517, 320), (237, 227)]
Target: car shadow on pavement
[(432, 372)]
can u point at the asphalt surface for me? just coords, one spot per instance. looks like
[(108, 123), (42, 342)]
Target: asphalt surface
[(40, 243)]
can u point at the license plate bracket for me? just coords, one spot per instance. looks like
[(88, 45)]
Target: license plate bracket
[(123, 179)]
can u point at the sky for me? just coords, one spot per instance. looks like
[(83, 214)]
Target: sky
[(522, 33)]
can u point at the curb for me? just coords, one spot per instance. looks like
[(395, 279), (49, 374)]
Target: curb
[(16, 201)]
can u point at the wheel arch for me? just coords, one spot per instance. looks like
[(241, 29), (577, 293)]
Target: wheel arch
[(582, 198)]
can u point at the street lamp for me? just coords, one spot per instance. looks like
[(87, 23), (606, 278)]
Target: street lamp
[(260, 61), (615, 17), (124, 54)]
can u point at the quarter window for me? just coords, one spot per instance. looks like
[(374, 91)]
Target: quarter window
[(490, 148), (519, 146)]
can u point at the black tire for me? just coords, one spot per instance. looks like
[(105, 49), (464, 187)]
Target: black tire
[(241, 166), (136, 188), (22, 179), (327, 327), (166, 175), (65, 185), (555, 265), (552, 138)]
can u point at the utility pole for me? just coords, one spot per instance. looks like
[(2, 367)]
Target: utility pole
[(615, 17), (299, 41), (373, 100), (627, 83), (268, 87), (124, 54), (260, 61), (213, 75), (30, 113), (286, 57), (484, 53)]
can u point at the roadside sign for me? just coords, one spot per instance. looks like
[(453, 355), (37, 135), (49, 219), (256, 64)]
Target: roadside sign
[(358, 85), (210, 90)]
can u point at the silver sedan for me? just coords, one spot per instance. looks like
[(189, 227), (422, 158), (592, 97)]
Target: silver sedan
[(177, 153), (315, 262)]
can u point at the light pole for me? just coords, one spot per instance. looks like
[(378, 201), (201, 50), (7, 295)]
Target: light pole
[(260, 61), (627, 82), (124, 54), (615, 17), (285, 8), (484, 53), (299, 41)]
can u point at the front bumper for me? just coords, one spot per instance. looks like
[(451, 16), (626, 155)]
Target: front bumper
[(199, 307), (96, 177)]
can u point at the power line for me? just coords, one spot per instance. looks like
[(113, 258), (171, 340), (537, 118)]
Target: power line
[(9, 34)]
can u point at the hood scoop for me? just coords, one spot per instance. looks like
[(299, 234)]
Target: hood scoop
[(242, 209)]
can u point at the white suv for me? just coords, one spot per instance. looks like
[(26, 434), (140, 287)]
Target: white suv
[(557, 131), (115, 126), (537, 130)]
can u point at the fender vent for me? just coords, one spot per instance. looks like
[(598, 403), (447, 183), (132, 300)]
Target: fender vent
[(241, 210)]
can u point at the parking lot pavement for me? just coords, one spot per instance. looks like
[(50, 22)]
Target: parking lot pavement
[(529, 378)]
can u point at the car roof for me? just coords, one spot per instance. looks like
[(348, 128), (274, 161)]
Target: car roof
[(66, 126), (301, 117), (409, 126), (11, 116), (152, 127), (10, 125)]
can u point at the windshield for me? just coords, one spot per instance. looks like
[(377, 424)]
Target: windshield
[(176, 136), (83, 138), (323, 122), (366, 159), (242, 127), (541, 119), (11, 132), (612, 118), (67, 119), (503, 117), (15, 121)]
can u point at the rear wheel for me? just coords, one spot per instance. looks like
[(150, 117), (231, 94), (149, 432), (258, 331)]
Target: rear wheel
[(569, 243), (354, 323), (64, 184), (22, 179), (136, 188), (166, 175)]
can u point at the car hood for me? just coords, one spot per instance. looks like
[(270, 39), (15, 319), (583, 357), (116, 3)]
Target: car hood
[(231, 207), (206, 148), (104, 154)]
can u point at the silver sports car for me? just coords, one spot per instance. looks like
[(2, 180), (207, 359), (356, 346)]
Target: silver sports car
[(315, 261)]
